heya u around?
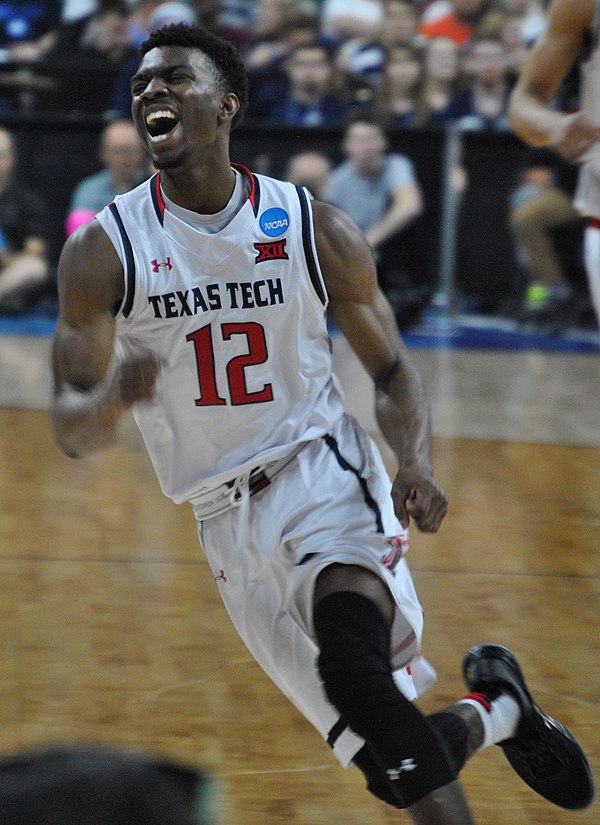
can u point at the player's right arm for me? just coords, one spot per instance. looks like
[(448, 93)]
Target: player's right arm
[(554, 53), (89, 395)]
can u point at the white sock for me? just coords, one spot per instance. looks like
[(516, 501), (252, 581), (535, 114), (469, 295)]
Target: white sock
[(499, 717)]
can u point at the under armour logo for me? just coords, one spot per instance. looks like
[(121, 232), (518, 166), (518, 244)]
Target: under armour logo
[(221, 577), (270, 251), (156, 264), (405, 766)]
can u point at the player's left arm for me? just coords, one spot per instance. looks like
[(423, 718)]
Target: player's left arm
[(362, 312)]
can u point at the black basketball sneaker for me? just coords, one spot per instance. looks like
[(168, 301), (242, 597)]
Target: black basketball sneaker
[(543, 752)]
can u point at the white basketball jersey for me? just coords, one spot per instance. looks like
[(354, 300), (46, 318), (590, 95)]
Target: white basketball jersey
[(587, 196), (238, 319)]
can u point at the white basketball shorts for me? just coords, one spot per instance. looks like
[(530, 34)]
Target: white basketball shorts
[(331, 503)]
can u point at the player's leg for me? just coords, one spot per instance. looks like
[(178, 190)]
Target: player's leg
[(406, 760), (413, 761)]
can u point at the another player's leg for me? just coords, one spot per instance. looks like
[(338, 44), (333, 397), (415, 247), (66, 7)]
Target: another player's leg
[(592, 265)]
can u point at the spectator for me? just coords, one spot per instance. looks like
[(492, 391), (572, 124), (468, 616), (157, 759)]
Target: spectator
[(208, 12), (172, 12), (103, 786), (27, 29), (363, 57), (515, 46), (86, 60), (343, 21), (376, 188), (24, 266), (312, 94), (442, 79), (285, 27), (532, 17), (76, 9), (152, 14), (465, 19), (140, 20), (379, 189), (235, 21), (124, 165), (483, 104), (398, 93), (268, 19), (310, 169), (148, 16), (538, 207), (432, 10)]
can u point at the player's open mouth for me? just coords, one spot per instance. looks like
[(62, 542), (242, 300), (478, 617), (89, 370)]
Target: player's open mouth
[(160, 123)]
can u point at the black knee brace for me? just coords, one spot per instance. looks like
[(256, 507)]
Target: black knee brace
[(455, 733), (377, 781), (354, 642)]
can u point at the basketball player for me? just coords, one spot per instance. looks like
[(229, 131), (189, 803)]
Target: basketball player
[(199, 300), (572, 34)]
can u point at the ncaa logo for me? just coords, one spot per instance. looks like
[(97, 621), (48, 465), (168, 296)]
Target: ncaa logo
[(274, 221)]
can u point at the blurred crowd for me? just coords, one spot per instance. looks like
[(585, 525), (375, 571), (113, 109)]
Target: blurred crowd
[(391, 65), (414, 63)]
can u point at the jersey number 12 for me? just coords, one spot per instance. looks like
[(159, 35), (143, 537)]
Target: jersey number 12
[(234, 369)]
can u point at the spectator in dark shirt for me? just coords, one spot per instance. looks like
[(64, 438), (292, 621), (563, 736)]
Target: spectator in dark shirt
[(398, 93), (86, 60), (279, 26), (24, 267), (147, 17), (27, 30), (287, 26), (364, 57), (483, 103), (442, 80), (311, 95)]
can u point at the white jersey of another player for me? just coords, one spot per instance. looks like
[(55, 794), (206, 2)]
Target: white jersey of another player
[(212, 307), (587, 196)]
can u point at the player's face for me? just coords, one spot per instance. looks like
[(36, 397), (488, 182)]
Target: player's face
[(177, 104)]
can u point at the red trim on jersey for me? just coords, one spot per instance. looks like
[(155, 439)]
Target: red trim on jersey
[(594, 223), (480, 698), (252, 195), (158, 198)]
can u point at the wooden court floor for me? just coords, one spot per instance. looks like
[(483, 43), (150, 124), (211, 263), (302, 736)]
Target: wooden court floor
[(112, 630)]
